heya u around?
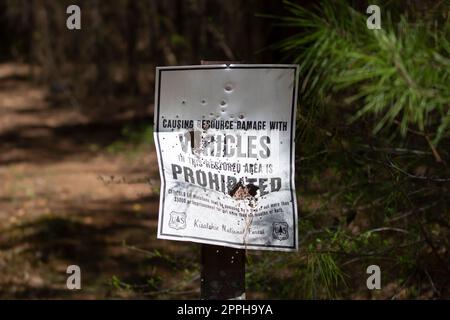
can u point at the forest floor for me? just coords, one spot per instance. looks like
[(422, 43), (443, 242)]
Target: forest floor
[(67, 198)]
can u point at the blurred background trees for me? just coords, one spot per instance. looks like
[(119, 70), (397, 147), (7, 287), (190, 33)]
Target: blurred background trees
[(122, 41)]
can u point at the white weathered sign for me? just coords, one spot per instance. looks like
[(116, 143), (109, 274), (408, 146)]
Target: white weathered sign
[(224, 136)]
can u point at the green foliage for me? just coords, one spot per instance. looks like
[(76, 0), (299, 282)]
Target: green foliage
[(400, 73), (322, 272), (133, 137), (118, 284), (312, 275), (372, 167)]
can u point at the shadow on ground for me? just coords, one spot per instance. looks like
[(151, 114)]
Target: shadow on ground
[(116, 250)]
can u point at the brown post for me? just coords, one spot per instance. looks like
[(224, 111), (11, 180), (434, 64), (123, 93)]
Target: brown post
[(223, 272), (223, 268)]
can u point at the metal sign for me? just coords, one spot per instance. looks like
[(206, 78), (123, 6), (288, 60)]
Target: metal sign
[(224, 136)]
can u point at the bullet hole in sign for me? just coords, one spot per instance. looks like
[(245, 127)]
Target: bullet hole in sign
[(242, 192)]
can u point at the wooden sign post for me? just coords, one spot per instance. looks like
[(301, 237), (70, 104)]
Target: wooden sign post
[(223, 272), (222, 268)]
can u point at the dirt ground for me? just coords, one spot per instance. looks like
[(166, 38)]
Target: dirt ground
[(65, 199)]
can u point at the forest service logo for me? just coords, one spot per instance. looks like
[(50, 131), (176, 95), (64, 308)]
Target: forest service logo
[(280, 230), (177, 220)]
